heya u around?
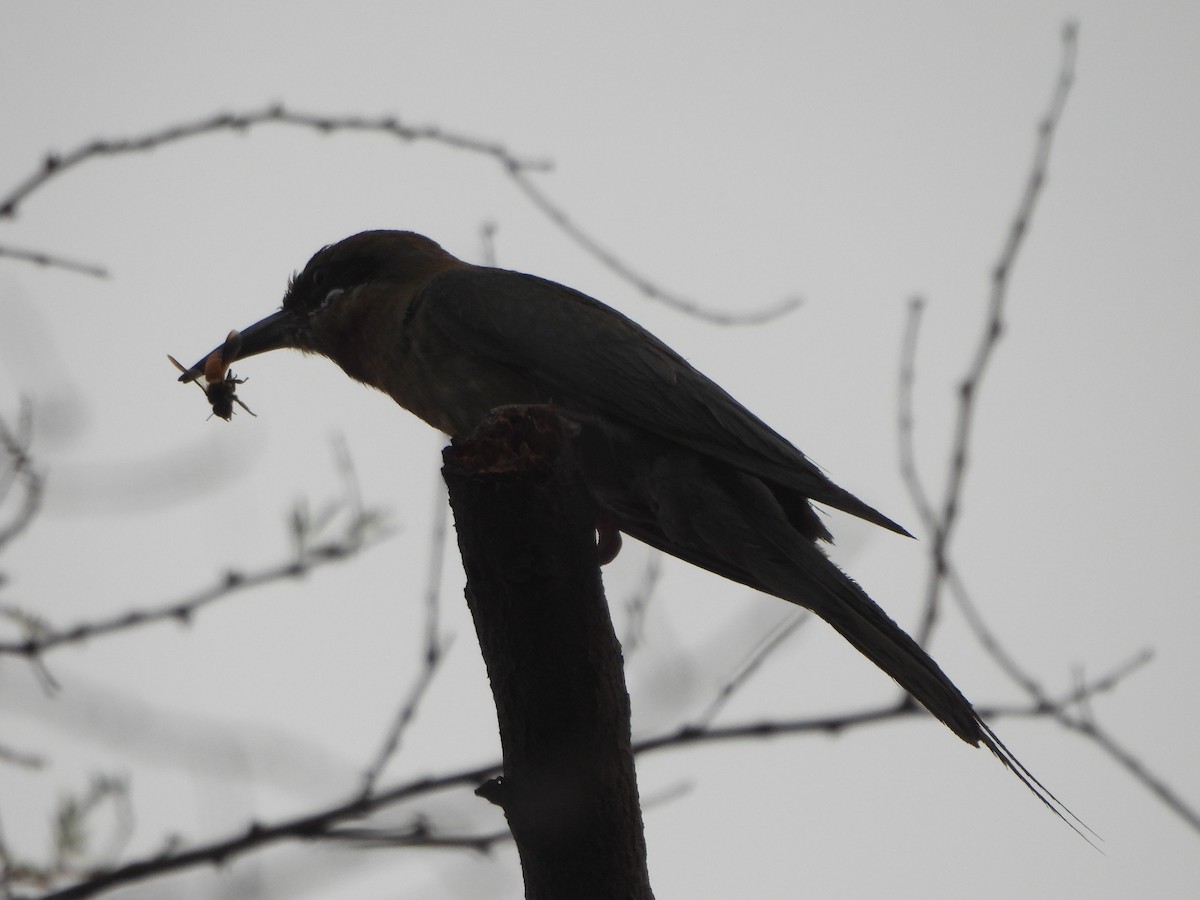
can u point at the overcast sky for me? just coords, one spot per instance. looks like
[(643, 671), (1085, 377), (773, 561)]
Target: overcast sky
[(851, 154)]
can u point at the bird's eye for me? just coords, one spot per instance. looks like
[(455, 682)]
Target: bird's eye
[(331, 296)]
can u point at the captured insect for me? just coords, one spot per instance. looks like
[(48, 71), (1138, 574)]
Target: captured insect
[(220, 384)]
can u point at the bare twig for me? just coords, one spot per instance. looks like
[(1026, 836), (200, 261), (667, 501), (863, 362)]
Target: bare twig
[(842, 722), (56, 164), (517, 168), (74, 815), (358, 533), (1134, 766), (434, 648), (487, 242), (54, 262), (1084, 690), (419, 834), (649, 288), (17, 468), (1084, 723), (21, 758), (770, 642), (310, 826), (402, 719), (987, 637), (438, 533), (905, 430), (637, 603), (328, 823), (941, 524)]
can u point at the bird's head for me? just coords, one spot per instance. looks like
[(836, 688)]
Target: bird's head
[(340, 304)]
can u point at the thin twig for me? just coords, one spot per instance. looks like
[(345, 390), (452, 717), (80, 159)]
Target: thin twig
[(417, 835), (487, 242), (21, 758), (327, 824), (438, 535), (648, 288), (517, 168), (770, 642), (49, 260), (356, 537), (434, 646), (403, 718), (1134, 767), (905, 430), (309, 826), (638, 602), (1082, 693), (14, 445), (987, 637), (56, 164), (968, 390), (842, 722)]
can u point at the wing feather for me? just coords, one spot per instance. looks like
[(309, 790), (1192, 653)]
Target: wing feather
[(588, 356)]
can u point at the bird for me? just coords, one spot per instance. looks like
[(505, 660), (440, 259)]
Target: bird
[(669, 457)]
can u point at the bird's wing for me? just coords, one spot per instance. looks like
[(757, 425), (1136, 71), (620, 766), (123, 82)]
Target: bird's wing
[(589, 356)]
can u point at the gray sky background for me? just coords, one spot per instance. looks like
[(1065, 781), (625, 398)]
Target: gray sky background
[(854, 154)]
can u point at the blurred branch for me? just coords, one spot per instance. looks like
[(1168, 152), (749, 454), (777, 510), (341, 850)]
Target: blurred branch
[(771, 641), (55, 164), (940, 523), (905, 433), (637, 602), (419, 834), (837, 724), (72, 834), (72, 820), (487, 243), (327, 824), (21, 758), (16, 468), (627, 273), (54, 262), (362, 528), (310, 826), (434, 647), (517, 168), (1135, 767)]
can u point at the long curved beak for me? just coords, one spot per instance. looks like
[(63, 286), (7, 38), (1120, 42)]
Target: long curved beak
[(277, 331)]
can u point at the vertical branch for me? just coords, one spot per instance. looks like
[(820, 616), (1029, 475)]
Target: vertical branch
[(968, 389), (16, 468), (526, 529)]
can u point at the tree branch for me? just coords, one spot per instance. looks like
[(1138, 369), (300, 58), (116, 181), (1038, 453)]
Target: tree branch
[(526, 529), (940, 523)]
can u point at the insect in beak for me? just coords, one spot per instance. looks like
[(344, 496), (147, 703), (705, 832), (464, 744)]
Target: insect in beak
[(220, 384)]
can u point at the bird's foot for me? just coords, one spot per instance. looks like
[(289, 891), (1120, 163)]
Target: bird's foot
[(608, 538)]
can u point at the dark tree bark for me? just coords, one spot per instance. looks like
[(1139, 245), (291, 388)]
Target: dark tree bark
[(527, 532)]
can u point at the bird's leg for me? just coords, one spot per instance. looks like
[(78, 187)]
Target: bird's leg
[(608, 538)]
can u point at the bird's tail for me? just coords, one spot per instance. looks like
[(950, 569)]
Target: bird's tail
[(734, 524), (857, 618)]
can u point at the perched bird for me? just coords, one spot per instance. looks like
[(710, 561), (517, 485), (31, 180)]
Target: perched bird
[(669, 457)]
